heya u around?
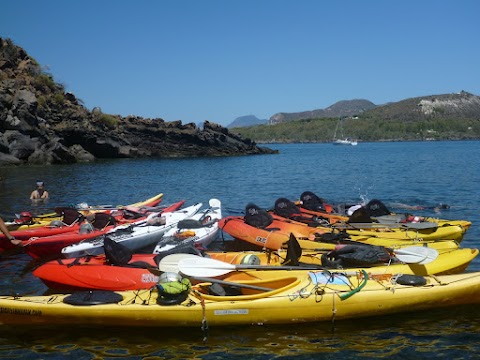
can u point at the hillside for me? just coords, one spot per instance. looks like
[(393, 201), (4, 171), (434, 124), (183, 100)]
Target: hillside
[(436, 117), (42, 123), (339, 109), (457, 106)]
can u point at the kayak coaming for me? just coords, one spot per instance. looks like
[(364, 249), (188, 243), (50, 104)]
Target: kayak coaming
[(298, 302)]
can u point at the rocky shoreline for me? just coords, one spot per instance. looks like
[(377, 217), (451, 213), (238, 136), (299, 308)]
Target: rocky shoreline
[(42, 124)]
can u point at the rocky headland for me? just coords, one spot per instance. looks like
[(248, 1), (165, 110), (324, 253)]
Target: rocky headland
[(42, 123)]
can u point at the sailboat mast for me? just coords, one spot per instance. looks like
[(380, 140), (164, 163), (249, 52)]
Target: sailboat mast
[(336, 128)]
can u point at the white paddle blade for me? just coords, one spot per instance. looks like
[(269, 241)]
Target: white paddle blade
[(431, 256), (416, 255), (204, 267), (170, 262)]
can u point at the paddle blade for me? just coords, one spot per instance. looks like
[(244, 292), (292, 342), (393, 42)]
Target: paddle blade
[(416, 255), (204, 267), (170, 262)]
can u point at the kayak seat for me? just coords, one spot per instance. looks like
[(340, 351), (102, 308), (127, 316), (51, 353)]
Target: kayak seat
[(116, 253), (101, 220), (256, 217), (190, 224), (70, 215), (356, 256), (334, 238), (377, 208), (312, 202), (287, 209), (361, 215)]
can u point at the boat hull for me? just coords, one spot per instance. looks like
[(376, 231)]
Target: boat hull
[(203, 229), (49, 246), (296, 297), (134, 236), (40, 228), (96, 273), (278, 233), (46, 219)]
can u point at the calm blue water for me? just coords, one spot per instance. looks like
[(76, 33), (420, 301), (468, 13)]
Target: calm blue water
[(426, 173)]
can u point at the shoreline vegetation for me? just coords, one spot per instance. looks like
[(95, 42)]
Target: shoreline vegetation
[(367, 127)]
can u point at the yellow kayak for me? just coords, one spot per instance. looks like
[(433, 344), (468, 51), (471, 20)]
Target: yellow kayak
[(425, 231), (388, 242), (394, 226), (453, 230), (256, 298), (278, 232), (46, 219), (389, 219), (449, 261)]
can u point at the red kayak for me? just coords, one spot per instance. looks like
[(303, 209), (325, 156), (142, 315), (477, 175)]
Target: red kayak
[(70, 222), (49, 246), (26, 221), (95, 273), (67, 219)]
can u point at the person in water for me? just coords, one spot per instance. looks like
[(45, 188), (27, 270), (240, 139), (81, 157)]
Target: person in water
[(39, 192), (436, 208), (6, 232)]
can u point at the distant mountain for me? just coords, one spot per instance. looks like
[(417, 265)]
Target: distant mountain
[(247, 120), (339, 109)]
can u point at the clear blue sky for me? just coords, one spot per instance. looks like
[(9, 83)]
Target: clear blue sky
[(220, 59)]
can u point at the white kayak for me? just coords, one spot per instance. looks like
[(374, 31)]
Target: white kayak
[(200, 229), (135, 235)]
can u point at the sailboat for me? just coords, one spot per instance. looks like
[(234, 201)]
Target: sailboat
[(343, 140)]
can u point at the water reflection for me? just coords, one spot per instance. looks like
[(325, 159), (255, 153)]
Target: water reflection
[(336, 173), (455, 331)]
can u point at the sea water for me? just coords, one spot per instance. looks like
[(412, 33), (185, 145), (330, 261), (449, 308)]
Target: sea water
[(398, 173)]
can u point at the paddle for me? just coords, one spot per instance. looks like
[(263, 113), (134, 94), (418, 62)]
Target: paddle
[(416, 254), (210, 267), (405, 226), (170, 264)]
